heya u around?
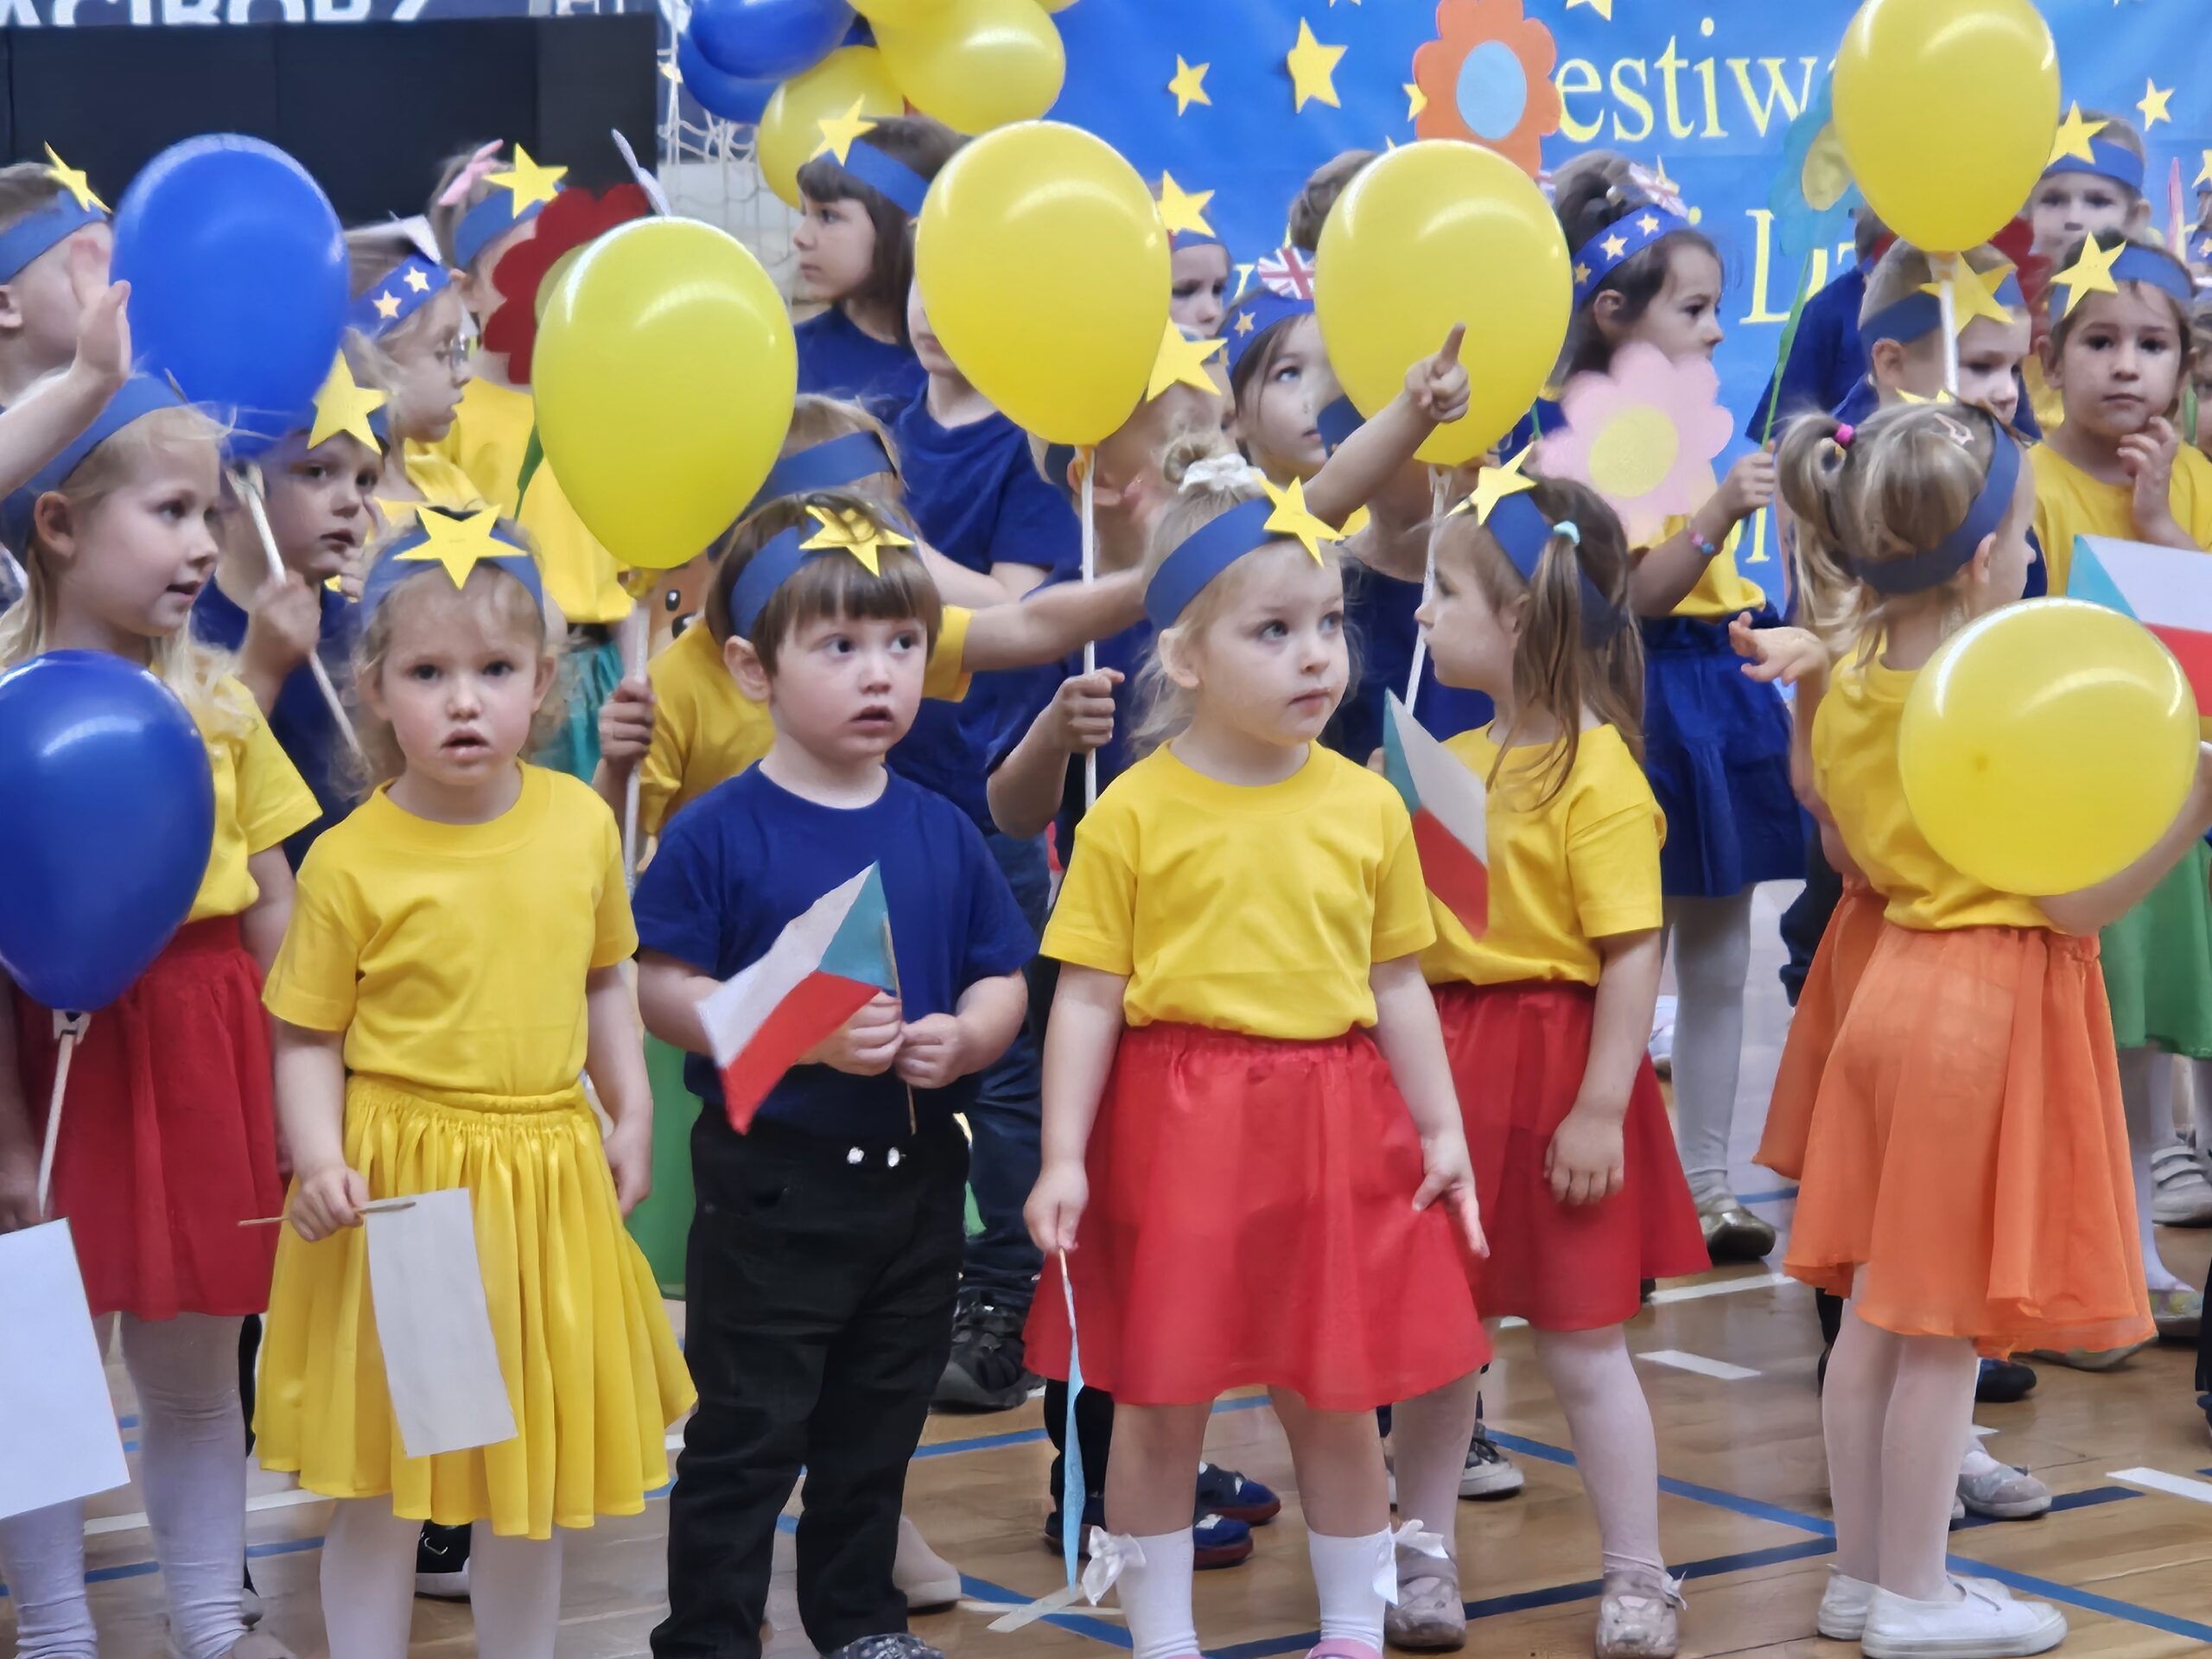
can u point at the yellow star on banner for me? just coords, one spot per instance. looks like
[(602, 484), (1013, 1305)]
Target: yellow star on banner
[(345, 405), (528, 181), (854, 533), (418, 280), (1974, 293), (2073, 136), (1181, 363), (387, 305), (73, 180), (1416, 99), (1603, 7), (1313, 68), (2091, 273), (1181, 209), (1494, 484), (838, 132), (1189, 86), (1292, 522), (2153, 104), (458, 543), (1615, 246)]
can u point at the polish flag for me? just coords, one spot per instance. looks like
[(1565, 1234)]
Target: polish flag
[(1450, 816), (823, 967), (2167, 589)]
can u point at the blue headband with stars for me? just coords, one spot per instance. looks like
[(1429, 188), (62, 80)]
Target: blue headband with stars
[(885, 174), (1919, 314), (1922, 571), (1522, 532), (1204, 554), (41, 229), (1247, 323), (1619, 242), (140, 396), (486, 222), (1178, 240), (393, 567), (2136, 264), (410, 286), (2112, 161), (829, 465)]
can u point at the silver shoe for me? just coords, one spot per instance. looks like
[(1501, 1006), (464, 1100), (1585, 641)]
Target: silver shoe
[(1638, 1619), (1429, 1617), (1732, 1232)]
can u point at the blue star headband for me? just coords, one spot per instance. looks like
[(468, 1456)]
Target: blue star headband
[(1520, 528), (1337, 423), (1284, 290), (486, 222), (2134, 263), (781, 558), (1919, 572), (1619, 242), (138, 396), (2112, 161), (457, 542), (829, 465), (412, 284), (1919, 314), (885, 174), (1204, 554), (1178, 240), (41, 229)]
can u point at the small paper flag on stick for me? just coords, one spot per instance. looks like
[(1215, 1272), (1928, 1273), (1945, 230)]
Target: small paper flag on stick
[(1450, 816), (2167, 589), (823, 967)]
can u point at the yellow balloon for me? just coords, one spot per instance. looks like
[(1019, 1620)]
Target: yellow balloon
[(791, 127), (978, 64), (1045, 271), (899, 14), (1947, 109), (2048, 745), (1056, 5), (1429, 235), (664, 373)]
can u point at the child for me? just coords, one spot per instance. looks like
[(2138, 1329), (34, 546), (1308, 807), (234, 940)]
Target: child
[(169, 1140), (1309, 208), (825, 1256), (1201, 270), (1901, 326), (855, 259), (1240, 1006), (44, 223), (2076, 197), (2119, 350), (454, 965), (1828, 356), (1716, 744), (1965, 1194), (405, 333), (1545, 1018)]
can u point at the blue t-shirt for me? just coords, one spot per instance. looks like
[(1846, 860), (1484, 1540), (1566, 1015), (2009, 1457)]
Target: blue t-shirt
[(1826, 357), (1379, 614), (736, 865), (838, 360), (301, 720)]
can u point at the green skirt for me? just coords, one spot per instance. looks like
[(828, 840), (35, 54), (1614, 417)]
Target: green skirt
[(2158, 964)]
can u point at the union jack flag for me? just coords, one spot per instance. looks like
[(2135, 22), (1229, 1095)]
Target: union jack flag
[(1286, 272)]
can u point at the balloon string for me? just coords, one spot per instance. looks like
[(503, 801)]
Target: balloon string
[(1086, 459), (69, 1027), (249, 482), (1439, 494)]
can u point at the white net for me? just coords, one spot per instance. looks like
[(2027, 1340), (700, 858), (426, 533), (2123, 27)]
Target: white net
[(706, 166)]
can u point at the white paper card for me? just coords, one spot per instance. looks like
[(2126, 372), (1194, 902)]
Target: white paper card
[(58, 1438), (440, 1365)]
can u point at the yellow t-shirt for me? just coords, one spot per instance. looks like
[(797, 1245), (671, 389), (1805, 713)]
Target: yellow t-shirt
[(1722, 591), (2042, 397), (1855, 770), (2070, 503), (489, 441), (453, 956), (260, 799), (1583, 865), (1259, 910), (706, 731), (440, 479)]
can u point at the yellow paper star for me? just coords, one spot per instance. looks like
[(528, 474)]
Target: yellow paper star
[(1243, 323), (387, 305), (1603, 7), (73, 180), (1416, 99), (529, 182), (2073, 136), (1189, 86), (460, 543), (1181, 209), (854, 533), (1312, 68), (418, 280), (345, 405), (1648, 224), (838, 132), (1581, 275), (1494, 484), (1942, 396), (2090, 274), (2153, 104), (1974, 293), (1181, 363), (1292, 522), (1615, 246)]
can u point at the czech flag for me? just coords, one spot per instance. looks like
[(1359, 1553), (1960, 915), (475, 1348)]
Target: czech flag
[(1450, 816), (823, 967), (2167, 589)]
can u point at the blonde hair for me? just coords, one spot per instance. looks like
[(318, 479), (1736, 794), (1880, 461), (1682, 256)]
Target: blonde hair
[(1908, 480), (1309, 209), (195, 672), (1557, 673), (374, 254), (25, 187)]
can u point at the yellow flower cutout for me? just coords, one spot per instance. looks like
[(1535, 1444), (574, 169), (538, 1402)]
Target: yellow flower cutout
[(345, 405), (1292, 522), (2090, 274), (459, 542), (852, 531)]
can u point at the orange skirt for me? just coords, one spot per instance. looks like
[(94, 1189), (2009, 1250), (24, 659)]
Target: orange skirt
[(1967, 1147), (1848, 940)]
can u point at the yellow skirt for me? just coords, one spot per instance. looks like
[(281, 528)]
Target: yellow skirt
[(592, 1368)]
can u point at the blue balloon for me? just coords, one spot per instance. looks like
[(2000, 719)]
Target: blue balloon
[(239, 281), (768, 40), (111, 815), (726, 96)]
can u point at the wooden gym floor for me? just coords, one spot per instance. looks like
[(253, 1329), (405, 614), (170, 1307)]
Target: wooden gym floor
[(1727, 1360)]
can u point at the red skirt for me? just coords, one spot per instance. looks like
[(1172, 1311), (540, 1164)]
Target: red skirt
[(168, 1132), (1251, 1221), (1847, 944), (1517, 1055)]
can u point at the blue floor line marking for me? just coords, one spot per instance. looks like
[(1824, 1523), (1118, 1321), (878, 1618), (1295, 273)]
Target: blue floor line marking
[(1097, 1630), (1780, 1195)]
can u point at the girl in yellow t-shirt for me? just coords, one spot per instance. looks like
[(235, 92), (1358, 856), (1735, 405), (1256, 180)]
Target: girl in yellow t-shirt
[(169, 1139), (1240, 1005), (1545, 1018), (453, 965), (1965, 1179), (404, 334)]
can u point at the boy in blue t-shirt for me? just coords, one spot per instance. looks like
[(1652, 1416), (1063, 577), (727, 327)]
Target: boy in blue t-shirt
[(825, 1256)]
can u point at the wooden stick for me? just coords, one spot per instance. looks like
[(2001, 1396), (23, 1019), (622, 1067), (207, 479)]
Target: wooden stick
[(69, 1028), (374, 1207), (635, 632), (1087, 458), (890, 953), (249, 481)]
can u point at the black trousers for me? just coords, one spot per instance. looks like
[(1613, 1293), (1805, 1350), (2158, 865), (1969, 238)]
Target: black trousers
[(819, 1321)]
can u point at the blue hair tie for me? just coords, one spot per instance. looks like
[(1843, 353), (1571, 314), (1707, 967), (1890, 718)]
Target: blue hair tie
[(1569, 530), (410, 286), (42, 228), (829, 465), (1620, 241), (458, 543), (138, 396), (1938, 564), (1522, 531)]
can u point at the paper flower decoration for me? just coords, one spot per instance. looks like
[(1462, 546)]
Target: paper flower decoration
[(1813, 193), (525, 273), (1645, 437), (1487, 77)]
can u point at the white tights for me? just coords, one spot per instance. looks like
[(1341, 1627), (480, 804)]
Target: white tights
[(368, 1586), (2146, 1090), (191, 1476), (1711, 942)]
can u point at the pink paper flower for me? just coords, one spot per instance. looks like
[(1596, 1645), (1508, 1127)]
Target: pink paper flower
[(1644, 436)]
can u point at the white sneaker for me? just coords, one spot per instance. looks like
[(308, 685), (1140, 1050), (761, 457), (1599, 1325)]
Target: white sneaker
[(2183, 1196), (1976, 1626), (925, 1577), (1842, 1617)]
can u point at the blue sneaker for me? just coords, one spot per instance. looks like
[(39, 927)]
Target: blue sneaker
[(1216, 1540), (1230, 1495)]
